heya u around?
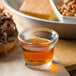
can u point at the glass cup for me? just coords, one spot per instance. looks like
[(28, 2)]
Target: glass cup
[(38, 46)]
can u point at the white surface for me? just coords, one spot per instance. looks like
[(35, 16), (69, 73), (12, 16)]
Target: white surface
[(19, 69), (54, 4), (13, 65)]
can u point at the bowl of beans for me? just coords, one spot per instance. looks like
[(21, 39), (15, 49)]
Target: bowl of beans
[(65, 10)]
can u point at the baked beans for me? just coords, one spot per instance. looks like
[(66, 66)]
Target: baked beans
[(68, 8)]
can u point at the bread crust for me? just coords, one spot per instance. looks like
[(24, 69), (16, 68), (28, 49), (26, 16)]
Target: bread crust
[(8, 46), (37, 8)]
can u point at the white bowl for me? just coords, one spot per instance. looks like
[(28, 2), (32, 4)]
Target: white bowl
[(66, 30), (54, 4)]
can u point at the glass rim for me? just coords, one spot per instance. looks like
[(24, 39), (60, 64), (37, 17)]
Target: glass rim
[(25, 30)]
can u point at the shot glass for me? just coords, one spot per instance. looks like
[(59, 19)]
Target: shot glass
[(38, 46)]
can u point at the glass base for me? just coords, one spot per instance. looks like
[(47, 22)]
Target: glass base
[(45, 66)]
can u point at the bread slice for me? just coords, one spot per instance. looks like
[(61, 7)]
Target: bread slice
[(8, 47), (38, 8)]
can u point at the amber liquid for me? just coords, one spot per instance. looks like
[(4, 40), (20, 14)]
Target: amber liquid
[(38, 53)]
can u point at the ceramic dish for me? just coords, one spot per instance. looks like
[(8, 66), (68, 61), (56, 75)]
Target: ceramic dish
[(66, 30), (54, 4)]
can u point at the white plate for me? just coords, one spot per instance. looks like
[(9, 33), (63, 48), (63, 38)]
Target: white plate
[(66, 30), (54, 4)]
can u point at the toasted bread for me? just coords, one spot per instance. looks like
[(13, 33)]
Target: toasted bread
[(8, 47), (38, 8)]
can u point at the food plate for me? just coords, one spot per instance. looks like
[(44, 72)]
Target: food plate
[(66, 30)]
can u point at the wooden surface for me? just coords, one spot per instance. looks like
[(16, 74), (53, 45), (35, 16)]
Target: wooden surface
[(65, 50)]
